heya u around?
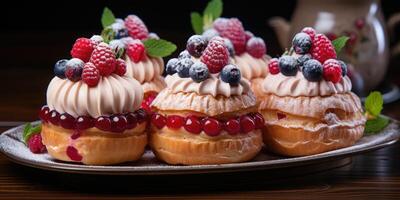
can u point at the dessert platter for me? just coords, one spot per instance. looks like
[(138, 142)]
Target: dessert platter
[(224, 105)]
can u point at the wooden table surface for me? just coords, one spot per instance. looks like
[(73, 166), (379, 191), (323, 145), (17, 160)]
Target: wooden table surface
[(373, 175)]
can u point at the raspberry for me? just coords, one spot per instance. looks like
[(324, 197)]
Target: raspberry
[(234, 31), (136, 28), (256, 47), (35, 144), (332, 71), (82, 49), (216, 55), (120, 67), (248, 35), (135, 50), (310, 31), (90, 74), (104, 59), (322, 48), (273, 66)]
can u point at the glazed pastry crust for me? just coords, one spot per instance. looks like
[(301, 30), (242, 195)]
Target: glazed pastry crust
[(181, 147), (96, 147)]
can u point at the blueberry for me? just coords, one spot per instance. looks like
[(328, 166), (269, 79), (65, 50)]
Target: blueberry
[(171, 67), (199, 72), (230, 47), (73, 69), (312, 70), (209, 34), (118, 47), (119, 30), (183, 67), (301, 43), (196, 45), (288, 65), (59, 68), (344, 67), (303, 58), (184, 54), (231, 74)]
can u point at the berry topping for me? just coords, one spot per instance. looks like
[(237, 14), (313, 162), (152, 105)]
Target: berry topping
[(171, 66), (183, 66), (310, 31), (312, 70), (332, 71), (229, 46), (73, 154), (136, 28), (280, 116), (196, 45), (104, 59), (301, 43), (44, 113), (248, 35), (135, 50), (35, 144), (344, 67), (131, 120), (184, 54), (231, 74), (103, 123), (199, 72), (258, 120), (67, 121), (322, 48), (120, 67), (273, 66), (141, 115), (82, 49), (303, 58), (193, 124), (158, 121), (54, 117), (73, 69), (209, 34), (90, 74), (119, 30), (247, 124), (233, 30), (84, 122), (97, 39), (175, 121), (59, 68), (118, 123), (216, 55), (146, 103), (288, 65), (211, 126), (256, 47), (232, 126)]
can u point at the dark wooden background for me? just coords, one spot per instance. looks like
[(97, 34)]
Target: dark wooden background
[(34, 35)]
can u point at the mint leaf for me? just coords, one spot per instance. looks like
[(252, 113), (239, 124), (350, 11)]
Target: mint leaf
[(374, 103), (197, 22), (29, 131), (107, 34), (339, 43), (159, 47), (107, 18), (213, 9), (376, 125)]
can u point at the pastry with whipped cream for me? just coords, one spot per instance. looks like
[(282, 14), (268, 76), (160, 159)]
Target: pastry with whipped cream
[(307, 101), (93, 113), (207, 114)]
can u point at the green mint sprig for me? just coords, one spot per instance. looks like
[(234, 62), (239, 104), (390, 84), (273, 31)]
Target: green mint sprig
[(373, 107), (159, 47), (30, 130), (339, 43), (212, 11), (107, 18)]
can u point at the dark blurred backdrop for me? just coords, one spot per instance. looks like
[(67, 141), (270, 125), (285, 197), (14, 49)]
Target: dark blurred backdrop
[(36, 34)]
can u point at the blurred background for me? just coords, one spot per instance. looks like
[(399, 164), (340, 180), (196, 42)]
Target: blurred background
[(36, 34)]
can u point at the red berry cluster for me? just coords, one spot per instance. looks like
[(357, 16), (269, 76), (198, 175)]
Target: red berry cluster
[(115, 123), (211, 126), (135, 49), (243, 41), (149, 98)]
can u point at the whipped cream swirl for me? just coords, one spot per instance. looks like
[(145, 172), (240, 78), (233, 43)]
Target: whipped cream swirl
[(250, 66), (145, 70)]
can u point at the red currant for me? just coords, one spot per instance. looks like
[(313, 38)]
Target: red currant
[(131, 120), (54, 117), (158, 120), (44, 113), (67, 121), (211, 126), (247, 124), (175, 121), (193, 124), (258, 120), (84, 122), (118, 123), (103, 123), (232, 126)]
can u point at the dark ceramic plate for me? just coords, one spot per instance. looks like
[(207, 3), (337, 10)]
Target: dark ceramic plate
[(12, 146)]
